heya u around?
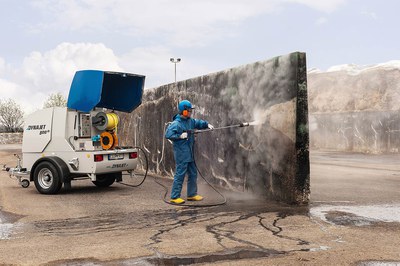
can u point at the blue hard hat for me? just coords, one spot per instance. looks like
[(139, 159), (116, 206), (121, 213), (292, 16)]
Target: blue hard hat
[(184, 105)]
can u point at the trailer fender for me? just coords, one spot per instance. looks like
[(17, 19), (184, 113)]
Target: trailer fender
[(60, 165)]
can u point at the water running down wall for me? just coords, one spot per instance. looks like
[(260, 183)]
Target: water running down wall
[(270, 158)]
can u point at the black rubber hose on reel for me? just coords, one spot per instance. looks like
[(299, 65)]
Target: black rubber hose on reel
[(145, 174), (194, 205), (166, 188)]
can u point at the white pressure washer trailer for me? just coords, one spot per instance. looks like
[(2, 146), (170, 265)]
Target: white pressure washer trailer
[(61, 144)]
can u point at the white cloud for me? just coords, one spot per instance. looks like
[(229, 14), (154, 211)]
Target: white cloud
[(321, 21), (371, 15), (52, 71), (149, 61), (2, 65), (178, 22), (171, 23), (327, 6), (7, 88), (189, 23), (153, 62), (27, 99)]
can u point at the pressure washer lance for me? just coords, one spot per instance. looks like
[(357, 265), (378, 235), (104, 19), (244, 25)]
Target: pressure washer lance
[(244, 124)]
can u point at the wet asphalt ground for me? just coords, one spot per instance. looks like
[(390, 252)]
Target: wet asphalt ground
[(353, 219)]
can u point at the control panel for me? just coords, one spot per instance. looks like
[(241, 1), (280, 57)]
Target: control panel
[(85, 125)]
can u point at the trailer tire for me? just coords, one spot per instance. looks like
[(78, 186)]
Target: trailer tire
[(106, 180), (47, 179), (25, 183)]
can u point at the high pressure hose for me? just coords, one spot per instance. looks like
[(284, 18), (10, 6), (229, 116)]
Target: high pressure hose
[(193, 205), (166, 188), (194, 160), (145, 174)]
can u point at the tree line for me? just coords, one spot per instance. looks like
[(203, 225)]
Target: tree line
[(12, 115)]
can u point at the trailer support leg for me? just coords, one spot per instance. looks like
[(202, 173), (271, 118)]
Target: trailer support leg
[(67, 185)]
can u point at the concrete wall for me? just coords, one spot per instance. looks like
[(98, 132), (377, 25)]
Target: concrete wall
[(10, 138), (368, 132), (270, 159), (355, 111)]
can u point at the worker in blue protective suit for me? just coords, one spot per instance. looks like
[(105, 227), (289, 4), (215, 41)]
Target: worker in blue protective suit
[(180, 131)]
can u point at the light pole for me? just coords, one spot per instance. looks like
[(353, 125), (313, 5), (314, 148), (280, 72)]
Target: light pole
[(175, 61)]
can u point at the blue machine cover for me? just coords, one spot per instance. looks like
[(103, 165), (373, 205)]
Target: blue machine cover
[(111, 90)]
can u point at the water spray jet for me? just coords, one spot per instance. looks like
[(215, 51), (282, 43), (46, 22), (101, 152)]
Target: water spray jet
[(256, 123)]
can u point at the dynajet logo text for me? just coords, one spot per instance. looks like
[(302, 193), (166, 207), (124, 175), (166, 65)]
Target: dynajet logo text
[(42, 129)]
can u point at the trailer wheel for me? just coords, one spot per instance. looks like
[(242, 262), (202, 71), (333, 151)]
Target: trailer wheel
[(47, 180), (25, 183), (105, 180)]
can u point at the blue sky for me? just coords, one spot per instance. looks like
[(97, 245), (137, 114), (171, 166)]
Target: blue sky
[(44, 42)]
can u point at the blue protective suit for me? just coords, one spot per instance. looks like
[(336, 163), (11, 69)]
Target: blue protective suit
[(183, 153)]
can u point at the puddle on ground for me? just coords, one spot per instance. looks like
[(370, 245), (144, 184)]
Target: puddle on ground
[(167, 220), (214, 257), (320, 248), (7, 225), (5, 230), (158, 218), (378, 263), (347, 219), (357, 215), (227, 255)]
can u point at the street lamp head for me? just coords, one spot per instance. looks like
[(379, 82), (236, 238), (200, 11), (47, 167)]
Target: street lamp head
[(175, 61)]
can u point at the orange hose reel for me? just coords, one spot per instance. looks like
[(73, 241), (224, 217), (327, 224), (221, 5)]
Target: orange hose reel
[(108, 140)]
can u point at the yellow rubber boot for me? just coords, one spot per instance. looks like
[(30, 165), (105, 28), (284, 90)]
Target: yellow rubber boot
[(177, 201), (195, 198)]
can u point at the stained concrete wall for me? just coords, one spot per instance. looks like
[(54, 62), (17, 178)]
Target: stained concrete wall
[(355, 111), (10, 138), (270, 159), (368, 132)]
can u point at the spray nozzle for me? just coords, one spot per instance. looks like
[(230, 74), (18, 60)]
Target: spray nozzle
[(245, 124)]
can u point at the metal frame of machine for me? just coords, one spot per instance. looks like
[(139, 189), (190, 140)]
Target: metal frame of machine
[(61, 144)]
